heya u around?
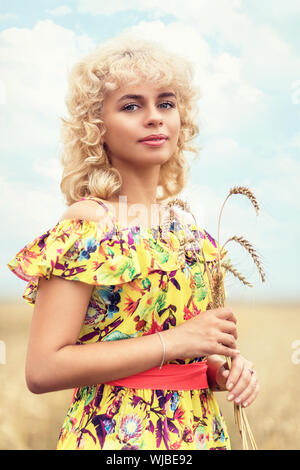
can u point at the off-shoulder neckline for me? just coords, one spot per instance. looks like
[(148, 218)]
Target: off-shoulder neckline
[(114, 221), (116, 224)]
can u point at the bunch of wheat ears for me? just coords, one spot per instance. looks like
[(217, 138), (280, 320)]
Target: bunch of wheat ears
[(215, 277)]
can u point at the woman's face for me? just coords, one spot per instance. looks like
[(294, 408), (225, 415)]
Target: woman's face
[(128, 120)]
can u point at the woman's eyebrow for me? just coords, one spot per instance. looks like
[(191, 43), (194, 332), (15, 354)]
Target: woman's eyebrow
[(139, 97)]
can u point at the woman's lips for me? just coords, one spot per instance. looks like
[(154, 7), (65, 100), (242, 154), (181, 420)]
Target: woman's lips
[(153, 143)]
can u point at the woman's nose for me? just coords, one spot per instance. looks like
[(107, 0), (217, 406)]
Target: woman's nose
[(153, 114)]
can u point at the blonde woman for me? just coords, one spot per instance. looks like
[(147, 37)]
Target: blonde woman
[(121, 311)]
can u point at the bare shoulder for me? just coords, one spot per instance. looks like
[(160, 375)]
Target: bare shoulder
[(87, 210)]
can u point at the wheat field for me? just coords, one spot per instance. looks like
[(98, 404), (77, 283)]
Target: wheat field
[(266, 334)]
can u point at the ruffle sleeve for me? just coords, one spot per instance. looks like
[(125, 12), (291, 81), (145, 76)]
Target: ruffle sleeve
[(86, 251)]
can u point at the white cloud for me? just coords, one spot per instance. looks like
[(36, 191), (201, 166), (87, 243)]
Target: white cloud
[(233, 83), (49, 168), (264, 55), (36, 72), (7, 16), (279, 10), (281, 181), (27, 209), (223, 151), (60, 11), (228, 100), (295, 91), (177, 7), (288, 165), (295, 142), (37, 61), (3, 92), (95, 7), (203, 202), (34, 66)]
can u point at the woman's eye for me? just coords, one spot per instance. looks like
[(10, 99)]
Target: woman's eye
[(171, 104), (126, 108)]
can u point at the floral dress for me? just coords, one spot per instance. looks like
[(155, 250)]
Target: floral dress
[(141, 286)]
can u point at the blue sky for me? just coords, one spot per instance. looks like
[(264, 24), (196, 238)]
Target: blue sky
[(247, 64)]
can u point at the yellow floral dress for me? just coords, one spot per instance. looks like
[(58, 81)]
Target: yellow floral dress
[(141, 286)]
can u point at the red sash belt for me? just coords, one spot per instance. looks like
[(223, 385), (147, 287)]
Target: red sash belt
[(169, 377)]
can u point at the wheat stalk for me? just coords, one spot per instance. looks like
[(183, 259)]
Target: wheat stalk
[(246, 192), (239, 413), (216, 289), (243, 190), (228, 267), (247, 245)]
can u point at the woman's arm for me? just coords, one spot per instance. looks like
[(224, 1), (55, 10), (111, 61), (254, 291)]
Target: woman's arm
[(55, 362)]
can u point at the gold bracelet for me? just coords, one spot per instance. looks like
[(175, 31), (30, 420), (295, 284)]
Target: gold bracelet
[(164, 349)]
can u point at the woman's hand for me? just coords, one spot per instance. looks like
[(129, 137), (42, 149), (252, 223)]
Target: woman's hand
[(210, 332), (240, 380)]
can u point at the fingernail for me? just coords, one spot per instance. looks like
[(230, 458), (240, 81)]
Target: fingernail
[(237, 400), (230, 386), (230, 397), (245, 404)]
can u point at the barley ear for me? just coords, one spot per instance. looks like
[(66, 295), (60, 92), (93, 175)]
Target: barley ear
[(228, 267), (247, 245), (246, 192), (238, 190)]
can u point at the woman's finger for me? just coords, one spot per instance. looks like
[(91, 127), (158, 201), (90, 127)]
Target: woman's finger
[(252, 397), (228, 327), (235, 372), (227, 340), (242, 383), (222, 350), (248, 391), (226, 314)]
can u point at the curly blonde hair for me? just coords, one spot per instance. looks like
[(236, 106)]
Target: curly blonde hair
[(124, 59)]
